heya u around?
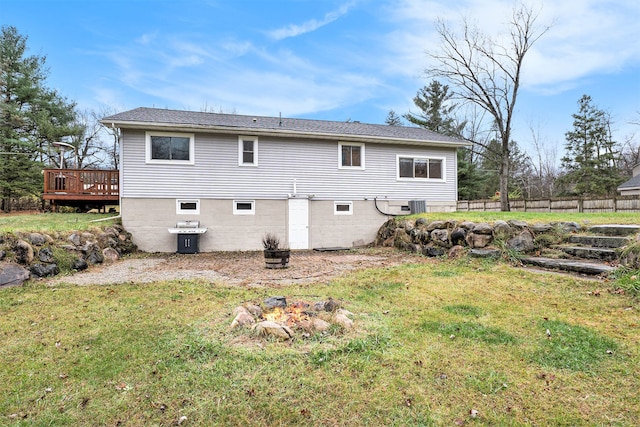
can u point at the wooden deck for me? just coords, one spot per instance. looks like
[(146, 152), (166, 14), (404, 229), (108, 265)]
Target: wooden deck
[(81, 188)]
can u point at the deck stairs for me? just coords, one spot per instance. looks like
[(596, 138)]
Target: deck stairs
[(594, 253)]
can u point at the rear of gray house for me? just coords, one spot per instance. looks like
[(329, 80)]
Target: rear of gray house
[(313, 183)]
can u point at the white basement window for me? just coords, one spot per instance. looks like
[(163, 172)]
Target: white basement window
[(244, 207), (343, 208), (188, 206)]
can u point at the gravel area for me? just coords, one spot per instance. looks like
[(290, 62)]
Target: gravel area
[(238, 268)]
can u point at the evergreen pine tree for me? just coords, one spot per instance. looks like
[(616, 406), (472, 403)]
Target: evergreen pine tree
[(31, 116), (590, 154)]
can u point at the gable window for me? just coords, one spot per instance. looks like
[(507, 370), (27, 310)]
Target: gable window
[(188, 206), (351, 156), (343, 208), (420, 168), (247, 151), (244, 207), (169, 147)]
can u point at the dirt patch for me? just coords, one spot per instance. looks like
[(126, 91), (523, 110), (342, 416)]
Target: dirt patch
[(239, 268)]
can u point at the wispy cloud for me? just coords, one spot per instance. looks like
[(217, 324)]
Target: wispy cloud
[(586, 37), (294, 30)]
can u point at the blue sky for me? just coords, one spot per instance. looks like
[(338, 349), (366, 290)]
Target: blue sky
[(328, 60)]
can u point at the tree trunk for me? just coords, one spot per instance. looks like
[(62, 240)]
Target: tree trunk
[(504, 180)]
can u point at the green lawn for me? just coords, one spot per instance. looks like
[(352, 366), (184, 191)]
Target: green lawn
[(583, 219), (52, 222), (433, 340)]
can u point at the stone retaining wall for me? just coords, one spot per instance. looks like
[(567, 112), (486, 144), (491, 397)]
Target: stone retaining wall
[(26, 255), (438, 238)]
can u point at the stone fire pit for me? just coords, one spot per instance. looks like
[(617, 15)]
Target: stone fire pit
[(277, 318)]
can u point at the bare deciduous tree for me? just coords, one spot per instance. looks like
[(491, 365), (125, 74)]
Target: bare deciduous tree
[(487, 73), (545, 167)]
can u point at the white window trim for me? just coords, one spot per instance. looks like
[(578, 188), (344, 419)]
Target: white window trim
[(337, 212), (237, 211), (410, 156), (241, 138), (148, 158), (181, 211), (362, 156)]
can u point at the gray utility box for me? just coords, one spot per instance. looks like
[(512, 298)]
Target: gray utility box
[(417, 206), (188, 236)]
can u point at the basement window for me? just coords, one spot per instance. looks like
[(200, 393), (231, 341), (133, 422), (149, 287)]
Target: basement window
[(343, 208), (244, 207), (188, 206)]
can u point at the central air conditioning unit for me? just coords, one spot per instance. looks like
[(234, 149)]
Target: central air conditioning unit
[(417, 206)]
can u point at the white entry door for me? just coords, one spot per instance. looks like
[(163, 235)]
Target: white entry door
[(298, 223)]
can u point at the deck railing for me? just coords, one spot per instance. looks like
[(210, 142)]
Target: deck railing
[(81, 184)]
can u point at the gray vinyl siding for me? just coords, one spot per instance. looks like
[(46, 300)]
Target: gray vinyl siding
[(313, 164)]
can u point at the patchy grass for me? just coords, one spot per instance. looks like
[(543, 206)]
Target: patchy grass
[(52, 222), (536, 217), (571, 347), (151, 354)]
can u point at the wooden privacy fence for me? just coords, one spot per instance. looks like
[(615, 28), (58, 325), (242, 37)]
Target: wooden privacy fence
[(560, 205)]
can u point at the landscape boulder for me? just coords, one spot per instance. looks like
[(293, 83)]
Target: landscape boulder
[(475, 240), (44, 270), (13, 274), (501, 230), (79, 264), (45, 255), (440, 237), (38, 239), (273, 302), (110, 255), (458, 236), (523, 242), (273, 329), (23, 252), (432, 251)]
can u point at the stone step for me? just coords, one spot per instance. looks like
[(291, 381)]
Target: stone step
[(592, 268), (599, 241), (614, 229), (602, 254)]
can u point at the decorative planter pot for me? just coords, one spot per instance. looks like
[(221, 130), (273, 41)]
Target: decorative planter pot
[(276, 258)]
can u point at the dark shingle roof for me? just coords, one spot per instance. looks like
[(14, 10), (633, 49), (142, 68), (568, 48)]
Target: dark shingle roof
[(631, 184), (160, 118)]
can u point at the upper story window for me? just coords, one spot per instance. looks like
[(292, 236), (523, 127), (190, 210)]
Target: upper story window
[(169, 147), (351, 155), (420, 168), (248, 151)]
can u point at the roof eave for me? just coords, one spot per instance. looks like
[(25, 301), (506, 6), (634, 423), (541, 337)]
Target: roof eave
[(278, 132)]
